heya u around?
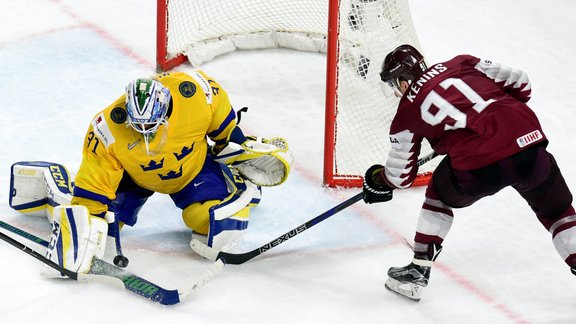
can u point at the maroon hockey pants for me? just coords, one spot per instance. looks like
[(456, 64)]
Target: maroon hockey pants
[(533, 173)]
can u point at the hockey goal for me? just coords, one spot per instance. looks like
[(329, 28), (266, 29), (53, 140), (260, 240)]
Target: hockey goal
[(355, 34)]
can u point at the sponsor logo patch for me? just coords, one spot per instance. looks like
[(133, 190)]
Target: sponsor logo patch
[(204, 84), (102, 131), (529, 138)]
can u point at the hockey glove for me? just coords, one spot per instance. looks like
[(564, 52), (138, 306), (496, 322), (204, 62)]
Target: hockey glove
[(374, 190), (264, 162)]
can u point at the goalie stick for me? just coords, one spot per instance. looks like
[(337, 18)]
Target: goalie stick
[(132, 282), (221, 258)]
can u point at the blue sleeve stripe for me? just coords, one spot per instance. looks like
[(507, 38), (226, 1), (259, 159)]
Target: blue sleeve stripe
[(235, 153), (82, 193), (221, 142), (231, 117)]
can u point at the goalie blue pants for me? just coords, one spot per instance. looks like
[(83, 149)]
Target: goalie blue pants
[(209, 184)]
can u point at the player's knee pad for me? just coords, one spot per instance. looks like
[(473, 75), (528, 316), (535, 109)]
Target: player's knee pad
[(197, 216), (37, 187), (77, 237)]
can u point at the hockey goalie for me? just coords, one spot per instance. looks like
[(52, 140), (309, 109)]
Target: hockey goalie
[(173, 133)]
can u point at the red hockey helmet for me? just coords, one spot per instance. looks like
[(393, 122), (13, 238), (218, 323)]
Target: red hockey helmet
[(404, 63)]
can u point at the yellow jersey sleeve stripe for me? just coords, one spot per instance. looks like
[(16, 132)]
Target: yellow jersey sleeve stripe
[(223, 126)]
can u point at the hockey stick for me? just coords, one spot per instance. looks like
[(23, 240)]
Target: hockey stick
[(231, 258), (132, 282), (38, 256), (221, 258)]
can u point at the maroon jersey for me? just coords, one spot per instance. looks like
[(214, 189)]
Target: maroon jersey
[(473, 110)]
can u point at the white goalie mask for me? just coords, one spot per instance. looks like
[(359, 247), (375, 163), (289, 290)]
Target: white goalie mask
[(147, 104)]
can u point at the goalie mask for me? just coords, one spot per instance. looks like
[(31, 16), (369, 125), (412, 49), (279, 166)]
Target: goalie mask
[(147, 104), (404, 63)]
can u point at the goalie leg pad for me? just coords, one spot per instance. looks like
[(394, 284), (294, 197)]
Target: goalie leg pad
[(37, 187), (77, 237), (227, 221), (225, 228)]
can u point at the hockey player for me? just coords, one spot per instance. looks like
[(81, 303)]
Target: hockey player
[(175, 134), (473, 111)]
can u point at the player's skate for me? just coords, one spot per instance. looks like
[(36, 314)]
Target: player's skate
[(408, 281)]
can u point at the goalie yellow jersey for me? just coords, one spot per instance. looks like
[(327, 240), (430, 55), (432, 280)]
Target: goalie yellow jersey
[(200, 108)]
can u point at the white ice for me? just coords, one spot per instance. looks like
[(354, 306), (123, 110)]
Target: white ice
[(61, 61)]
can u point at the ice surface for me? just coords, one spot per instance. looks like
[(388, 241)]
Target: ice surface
[(62, 61)]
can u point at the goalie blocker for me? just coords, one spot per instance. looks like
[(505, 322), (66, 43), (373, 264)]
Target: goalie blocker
[(37, 187), (44, 189)]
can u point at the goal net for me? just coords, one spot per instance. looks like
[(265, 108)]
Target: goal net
[(356, 35)]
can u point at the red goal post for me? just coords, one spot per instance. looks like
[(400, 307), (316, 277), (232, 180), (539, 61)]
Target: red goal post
[(356, 35)]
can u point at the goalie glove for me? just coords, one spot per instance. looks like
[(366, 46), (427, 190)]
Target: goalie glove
[(264, 162), (374, 189)]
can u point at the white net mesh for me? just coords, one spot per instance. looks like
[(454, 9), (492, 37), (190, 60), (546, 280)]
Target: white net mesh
[(367, 31)]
